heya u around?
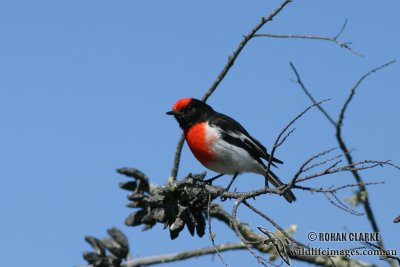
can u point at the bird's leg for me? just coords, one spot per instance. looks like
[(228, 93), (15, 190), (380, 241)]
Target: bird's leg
[(266, 181), (209, 181), (231, 182)]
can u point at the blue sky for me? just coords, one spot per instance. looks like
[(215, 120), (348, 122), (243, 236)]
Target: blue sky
[(85, 85)]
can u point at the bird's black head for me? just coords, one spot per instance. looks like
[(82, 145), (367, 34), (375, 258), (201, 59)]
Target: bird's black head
[(189, 111)]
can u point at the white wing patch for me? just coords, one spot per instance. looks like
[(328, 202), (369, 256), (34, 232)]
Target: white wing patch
[(246, 138)]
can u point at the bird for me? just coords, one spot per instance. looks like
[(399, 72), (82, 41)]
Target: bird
[(222, 144)]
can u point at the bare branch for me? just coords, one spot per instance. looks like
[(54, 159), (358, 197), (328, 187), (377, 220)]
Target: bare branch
[(279, 244), (221, 76), (234, 222), (152, 260), (177, 159), (302, 167), (343, 147), (277, 226)]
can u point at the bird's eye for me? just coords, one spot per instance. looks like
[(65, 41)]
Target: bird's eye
[(189, 108)]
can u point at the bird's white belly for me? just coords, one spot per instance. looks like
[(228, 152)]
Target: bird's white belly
[(231, 159)]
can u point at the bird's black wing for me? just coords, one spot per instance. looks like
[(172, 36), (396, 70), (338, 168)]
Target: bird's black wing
[(236, 134)]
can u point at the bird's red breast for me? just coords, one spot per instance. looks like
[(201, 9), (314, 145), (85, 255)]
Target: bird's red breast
[(200, 143)]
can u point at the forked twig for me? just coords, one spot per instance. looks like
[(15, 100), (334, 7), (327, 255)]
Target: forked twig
[(278, 141), (334, 39)]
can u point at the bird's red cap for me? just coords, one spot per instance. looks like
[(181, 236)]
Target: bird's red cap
[(181, 103)]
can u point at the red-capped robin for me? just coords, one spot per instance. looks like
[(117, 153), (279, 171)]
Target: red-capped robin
[(221, 144)]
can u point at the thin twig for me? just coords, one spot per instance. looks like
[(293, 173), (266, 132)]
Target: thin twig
[(345, 45), (286, 136), (323, 162), (277, 141), (302, 167), (212, 236), (305, 90), (350, 167), (353, 90), (332, 189), (341, 30), (334, 39), (341, 205)]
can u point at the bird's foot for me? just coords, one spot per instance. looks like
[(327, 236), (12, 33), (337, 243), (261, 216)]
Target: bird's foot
[(231, 182), (266, 183), (211, 180)]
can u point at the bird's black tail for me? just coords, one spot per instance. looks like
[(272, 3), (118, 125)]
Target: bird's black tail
[(289, 196)]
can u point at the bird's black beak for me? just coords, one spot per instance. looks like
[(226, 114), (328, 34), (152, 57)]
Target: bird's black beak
[(171, 113)]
